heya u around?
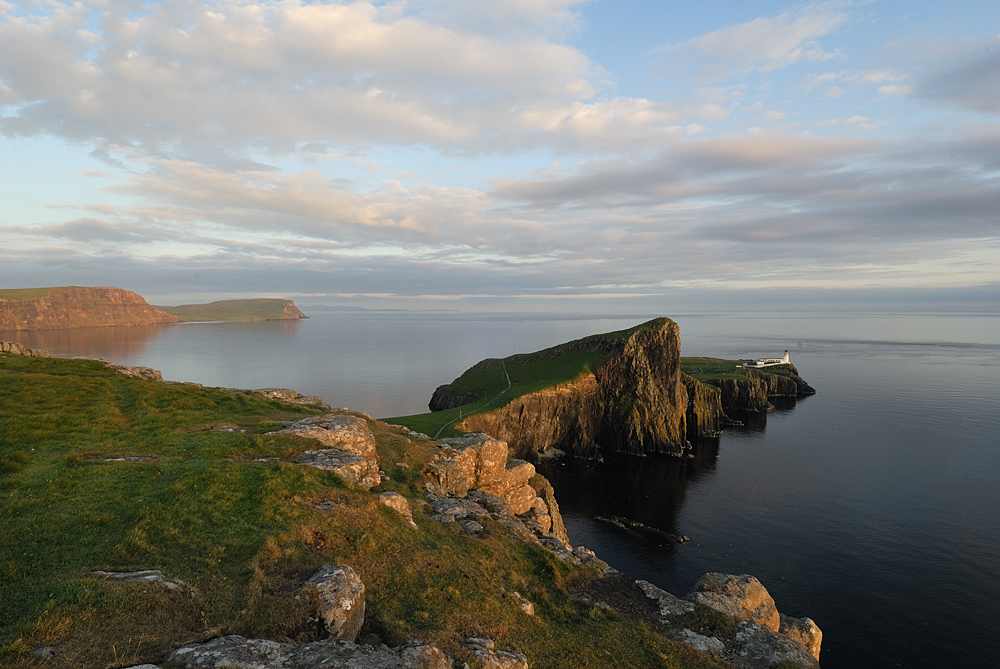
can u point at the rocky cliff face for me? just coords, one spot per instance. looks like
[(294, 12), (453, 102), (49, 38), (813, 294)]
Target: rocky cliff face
[(80, 307), (635, 403), (753, 393)]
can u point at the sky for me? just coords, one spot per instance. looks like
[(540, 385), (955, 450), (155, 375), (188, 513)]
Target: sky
[(538, 155)]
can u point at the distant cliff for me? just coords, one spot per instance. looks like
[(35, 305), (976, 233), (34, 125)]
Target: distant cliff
[(754, 392), (255, 309), (73, 306)]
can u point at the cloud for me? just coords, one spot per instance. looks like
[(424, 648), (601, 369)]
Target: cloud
[(190, 79), (763, 44), (968, 78)]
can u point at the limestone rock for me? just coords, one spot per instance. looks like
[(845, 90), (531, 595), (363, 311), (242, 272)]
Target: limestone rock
[(448, 509), (515, 474), (669, 605), (346, 433), (292, 396), (705, 644), (547, 493), (526, 606), (399, 504), (14, 348), (743, 597), (453, 472), (537, 517), (354, 469), (147, 373), (759, 646), (341, 600), (520, 499), (803, 630), (236, 652), (143, 576), (485, 657)]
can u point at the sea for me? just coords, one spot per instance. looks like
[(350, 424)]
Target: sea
[(872, 507)]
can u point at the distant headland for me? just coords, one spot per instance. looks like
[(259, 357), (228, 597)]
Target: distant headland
[(76, 307)]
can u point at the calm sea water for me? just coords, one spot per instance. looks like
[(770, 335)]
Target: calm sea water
[(873, 507)]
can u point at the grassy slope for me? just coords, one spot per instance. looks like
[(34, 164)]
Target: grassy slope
[(716, 368), (29, 293), (529, 372), (260, 309), (244, 534)]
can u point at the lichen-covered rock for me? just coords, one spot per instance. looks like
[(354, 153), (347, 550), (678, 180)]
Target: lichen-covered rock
[(803, 630), (339, 431), (484, 656), (520, 499), (142, 576), (292, 396), (670, 606), (743, 597), (399, 504), (453, 472), (353, 468), (547, 493), (147, 373), (341, 596), (236, 652), (759, 646)]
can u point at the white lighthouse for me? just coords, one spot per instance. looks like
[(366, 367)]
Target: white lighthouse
[(787, 361)]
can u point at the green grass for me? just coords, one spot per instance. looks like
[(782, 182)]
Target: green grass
[(485, 385), (29, 293), (231, 310), (704, 369), (244, 534)]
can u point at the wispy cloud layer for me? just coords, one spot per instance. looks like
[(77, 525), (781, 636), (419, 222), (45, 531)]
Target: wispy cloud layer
[(451, 147)]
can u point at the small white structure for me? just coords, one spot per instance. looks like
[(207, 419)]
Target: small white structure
[(769, 362)]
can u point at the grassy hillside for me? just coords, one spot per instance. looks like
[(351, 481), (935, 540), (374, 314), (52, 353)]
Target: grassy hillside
[(232, 516), (717, 368), (28, 293), (484, 386), (261, 309)]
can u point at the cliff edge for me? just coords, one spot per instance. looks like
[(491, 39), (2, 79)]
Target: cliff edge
[(73, 306)]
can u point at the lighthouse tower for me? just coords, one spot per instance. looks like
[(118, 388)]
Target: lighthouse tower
[(786, 358)]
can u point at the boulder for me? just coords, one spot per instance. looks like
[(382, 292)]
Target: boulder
[(759, 646), (399, 504), (147, 373), (339, 431), (484, 656), (341, 596), (743, 597), (803, 630), (353, 468), (236, 652)]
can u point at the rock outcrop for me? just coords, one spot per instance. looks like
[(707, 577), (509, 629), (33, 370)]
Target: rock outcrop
[(341, 596), (746, 632), (348, 447), (73, 307), (754, 392), (472, 476), (13, 348), (236, 652)]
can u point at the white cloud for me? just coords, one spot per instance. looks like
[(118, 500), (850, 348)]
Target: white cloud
[(762, 44)]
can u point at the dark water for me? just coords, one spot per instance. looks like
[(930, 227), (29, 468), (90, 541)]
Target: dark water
[(873, 507)]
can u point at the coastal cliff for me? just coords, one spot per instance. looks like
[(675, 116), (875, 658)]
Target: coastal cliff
[(635, 402), (753, 393), (73, 306)]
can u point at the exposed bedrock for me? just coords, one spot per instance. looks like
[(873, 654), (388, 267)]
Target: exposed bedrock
[(754, 393)]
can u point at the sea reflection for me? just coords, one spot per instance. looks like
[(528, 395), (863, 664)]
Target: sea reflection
[(102, 342), (648, 490)]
